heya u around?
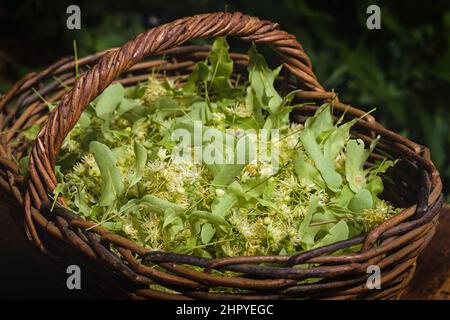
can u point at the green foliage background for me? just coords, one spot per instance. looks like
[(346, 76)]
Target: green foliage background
[(403, 69)]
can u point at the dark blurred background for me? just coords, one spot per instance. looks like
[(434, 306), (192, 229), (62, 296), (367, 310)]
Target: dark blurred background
[(403, 69)]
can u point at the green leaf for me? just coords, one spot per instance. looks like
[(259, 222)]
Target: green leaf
[(306, 172), (129, 206), (254, 107), (207, 233), (222, 205), (374, 181), (109, 100), (196, 78), (159, 205), (221, 65), (119, 152), (326, 169), (172, 223), (167, 107), (344, 197), (304, 230), (126, 105), (356, 156), (226, 174), (321, 123), (338, 232), (268, 203), (59, 175), (136, 113), (80, 202), (32, 132), (170, 217), (278, 119), (375, 185), (361, 201), (58, 190), (199, 111), (112, 185), (85, 120), (262, 79), (140, 153), (335, 143), (106, 130), (210, 217), (23, 166), (254, 187), (382, 167), (106, 104), (113, 225)]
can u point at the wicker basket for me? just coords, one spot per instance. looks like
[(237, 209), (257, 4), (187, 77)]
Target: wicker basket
[(117, 267)]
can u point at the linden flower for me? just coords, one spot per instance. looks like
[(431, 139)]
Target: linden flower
[(276, 232), (266, 170), (126, 160), (300, 212), (156, 166), (88, 161), (323, 197), (374, 217), (188, 170), (252, 168), (240, 110), (181, 199), (241, 224), (120, 123), (286, 147), (294, 237), (283, 190), (153, 91), (217, 118), (70, 145), (79, 168), (291, 141), (246, 230), (173, 179), (162, 153), (231, 250), (140, 129), (152, 227), (130, 230), (307, 187), (165, 126)]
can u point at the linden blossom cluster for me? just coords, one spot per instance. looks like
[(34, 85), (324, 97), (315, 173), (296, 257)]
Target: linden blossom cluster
[(127, 166)]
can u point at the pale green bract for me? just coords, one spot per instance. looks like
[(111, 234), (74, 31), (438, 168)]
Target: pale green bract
[(112, 184), (117, 171), (140, 153)]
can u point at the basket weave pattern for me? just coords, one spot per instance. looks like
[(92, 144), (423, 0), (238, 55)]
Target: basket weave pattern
[(119, 266)]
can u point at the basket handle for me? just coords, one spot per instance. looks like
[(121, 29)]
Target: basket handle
[(154, 42)]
